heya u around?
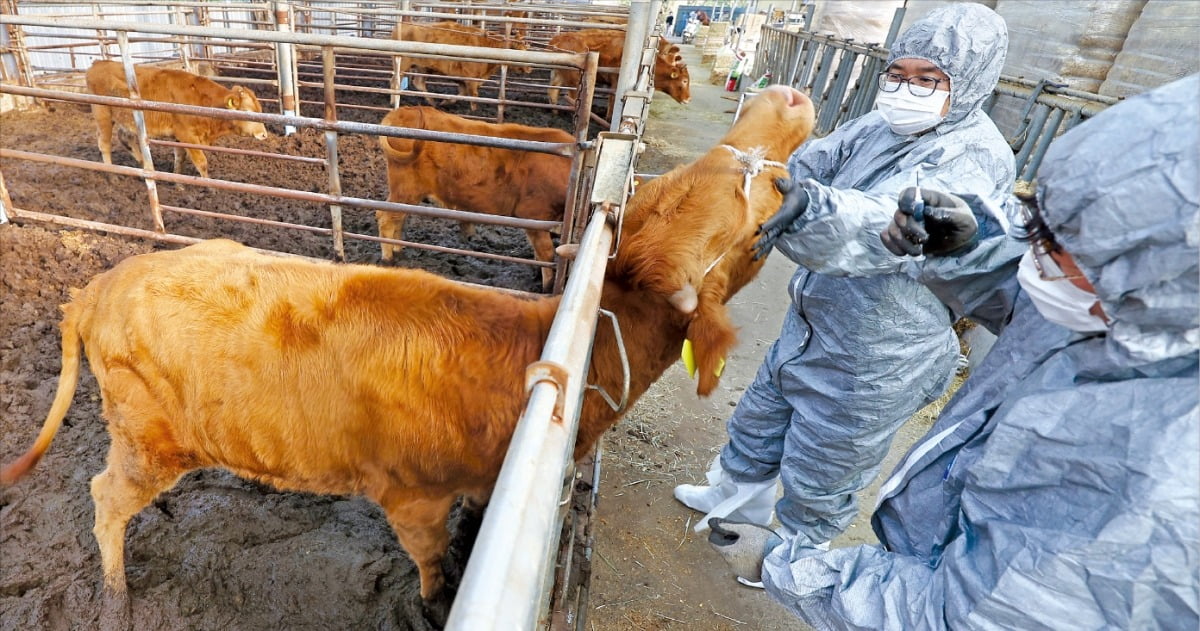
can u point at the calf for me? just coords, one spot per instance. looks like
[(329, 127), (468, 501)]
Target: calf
[(670, 72), (482, 179), (470, 73), (392, 383), (107, 78)]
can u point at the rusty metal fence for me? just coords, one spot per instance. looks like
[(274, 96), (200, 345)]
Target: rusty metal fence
[(509, 581), (53, 82), (840, 77)]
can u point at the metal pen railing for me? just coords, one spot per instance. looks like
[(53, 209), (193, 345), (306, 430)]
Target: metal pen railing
[(508, 581)]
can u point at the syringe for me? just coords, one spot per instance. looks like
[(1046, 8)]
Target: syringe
[(919, 202)]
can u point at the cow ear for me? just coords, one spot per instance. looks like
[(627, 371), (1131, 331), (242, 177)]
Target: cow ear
[(713, 336), (674, 75)]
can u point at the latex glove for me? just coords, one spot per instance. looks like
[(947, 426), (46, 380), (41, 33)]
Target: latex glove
[(795, 202), (947, 224), (743, 545)]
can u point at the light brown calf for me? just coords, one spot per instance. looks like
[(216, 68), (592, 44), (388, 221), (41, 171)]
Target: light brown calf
[(481, 179), (107, 78), (394, 384)]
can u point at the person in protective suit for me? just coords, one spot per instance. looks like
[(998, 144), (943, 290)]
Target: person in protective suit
[(1059, 487), (857, 357)]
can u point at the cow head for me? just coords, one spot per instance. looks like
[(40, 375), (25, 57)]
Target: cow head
[(671, 76), (687, 234), (242, 99)]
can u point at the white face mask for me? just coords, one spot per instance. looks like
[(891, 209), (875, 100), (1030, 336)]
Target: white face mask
[(907, 114), (1059, 301)]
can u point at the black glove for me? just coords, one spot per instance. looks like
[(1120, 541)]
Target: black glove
[(947, 224), (795, 202), (743, 546)]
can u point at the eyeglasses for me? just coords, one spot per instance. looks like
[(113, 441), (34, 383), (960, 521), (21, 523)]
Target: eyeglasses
[(1047, 267), (917, 86)]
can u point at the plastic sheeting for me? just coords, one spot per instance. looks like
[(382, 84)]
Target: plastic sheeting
[(1071, 42), (864, 22), (1161, 47)]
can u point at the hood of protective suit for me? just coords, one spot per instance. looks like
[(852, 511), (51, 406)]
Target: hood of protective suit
[(968, 42), (1121, 194)]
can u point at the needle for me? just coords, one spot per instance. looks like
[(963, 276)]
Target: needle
[(919, 202)]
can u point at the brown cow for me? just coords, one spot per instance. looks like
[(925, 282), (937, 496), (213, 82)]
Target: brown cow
[(470, 73), (395, 384), (481, 179), (107, 78), (670, 72)]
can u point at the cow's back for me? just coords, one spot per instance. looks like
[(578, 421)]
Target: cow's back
[(503, 180), (228, 355)]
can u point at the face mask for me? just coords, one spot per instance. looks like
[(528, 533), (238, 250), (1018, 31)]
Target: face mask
[(907, 114), (1059, 301)]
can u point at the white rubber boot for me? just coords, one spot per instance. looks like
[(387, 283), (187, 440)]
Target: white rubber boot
[(752, 502)]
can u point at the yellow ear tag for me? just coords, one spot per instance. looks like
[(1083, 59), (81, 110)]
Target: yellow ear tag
[(229, 103), (688, 355)]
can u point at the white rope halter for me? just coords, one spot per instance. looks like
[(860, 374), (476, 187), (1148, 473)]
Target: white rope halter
[(753, 161)]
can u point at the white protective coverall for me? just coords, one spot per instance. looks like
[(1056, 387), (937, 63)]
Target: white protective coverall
[(857, 357), (1059, 488)]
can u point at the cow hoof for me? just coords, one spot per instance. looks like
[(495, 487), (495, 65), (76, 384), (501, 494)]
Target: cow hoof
[(114, 612), (436, 611)]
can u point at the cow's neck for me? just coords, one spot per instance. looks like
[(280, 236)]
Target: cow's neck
[(653, 334)]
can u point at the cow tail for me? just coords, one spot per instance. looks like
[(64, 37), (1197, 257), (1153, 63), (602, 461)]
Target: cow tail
[(397, 153), (68, 379)]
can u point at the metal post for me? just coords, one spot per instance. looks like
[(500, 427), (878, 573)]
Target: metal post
[(1040, 114), (833, 98), (102, 39), (1029, 170), (178, 18), (139, 120), (6, 207), (894, 29), (655, 17), (16, 42), (331, 152), (635, 37), (405, 5), (574, 204), (285, 65)]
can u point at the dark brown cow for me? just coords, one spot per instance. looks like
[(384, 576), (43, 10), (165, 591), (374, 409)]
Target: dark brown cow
[(391, 383), (670, 72), (470, 73), (107, 78)]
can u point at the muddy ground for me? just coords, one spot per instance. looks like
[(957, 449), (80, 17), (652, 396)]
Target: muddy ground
[(215, 552)]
